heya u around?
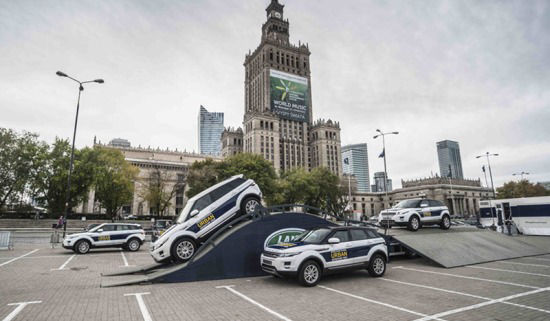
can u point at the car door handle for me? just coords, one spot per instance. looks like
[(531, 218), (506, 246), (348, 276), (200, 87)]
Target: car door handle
[(349, 245)]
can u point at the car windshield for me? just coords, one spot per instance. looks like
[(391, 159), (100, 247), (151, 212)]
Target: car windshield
[(91, 226), (183, 214), (93, 229), (315, 236), (407, 204)]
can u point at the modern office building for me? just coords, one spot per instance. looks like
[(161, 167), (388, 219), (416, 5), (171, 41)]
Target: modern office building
[(378, 185), (278, 119), (448, 153), (210, 132), (355, 161)]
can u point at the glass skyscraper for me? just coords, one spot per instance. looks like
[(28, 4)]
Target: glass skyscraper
[(448, 153), (356, 162), (210, 132)]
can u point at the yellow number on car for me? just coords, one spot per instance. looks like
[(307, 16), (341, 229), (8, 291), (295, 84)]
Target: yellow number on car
[(104, 238)]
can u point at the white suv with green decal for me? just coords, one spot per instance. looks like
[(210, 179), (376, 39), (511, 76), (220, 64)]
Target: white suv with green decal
[(326, 250)]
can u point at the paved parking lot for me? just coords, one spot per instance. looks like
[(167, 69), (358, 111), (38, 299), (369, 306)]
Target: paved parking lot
[(38, 283)]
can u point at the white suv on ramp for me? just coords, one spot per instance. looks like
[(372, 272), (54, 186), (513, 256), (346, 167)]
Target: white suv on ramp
[(326, 250), (203, 215), (414, 213)]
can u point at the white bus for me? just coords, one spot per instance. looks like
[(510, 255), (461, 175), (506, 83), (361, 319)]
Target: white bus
[(531, 215)]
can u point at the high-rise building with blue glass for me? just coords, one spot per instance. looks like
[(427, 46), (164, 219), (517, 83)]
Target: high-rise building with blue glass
[(210, 132), (356, 162), (450, 163)]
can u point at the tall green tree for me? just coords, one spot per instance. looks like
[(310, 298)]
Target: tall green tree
[(52, 186), (22, 159), (158, 190), (206, 173), (114, 180), (255, 167), (202, 175), (522, 188)]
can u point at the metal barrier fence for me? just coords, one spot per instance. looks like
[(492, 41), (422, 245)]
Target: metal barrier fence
[(6, 242)]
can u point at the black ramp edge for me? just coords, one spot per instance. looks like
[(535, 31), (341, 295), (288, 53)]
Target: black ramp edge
[(459, 248), (133, 279), (133, 270), (237, 254)]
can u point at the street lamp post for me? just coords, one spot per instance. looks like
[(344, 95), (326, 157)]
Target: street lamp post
[(380, 133), (522, 174), (68, 194), (487, 155)]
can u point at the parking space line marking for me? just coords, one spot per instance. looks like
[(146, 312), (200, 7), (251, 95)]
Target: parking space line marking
[(462, 293), (124, 258), (536, 258), (62, 267), (20, 306), (527, 264), (510, 271), (17, 258), (467, 277), (479, 305), (230, 288), (142, 307), (376, 302)]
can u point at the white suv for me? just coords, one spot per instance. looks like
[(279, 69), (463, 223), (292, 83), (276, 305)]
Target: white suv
[(203, 215), (124, 235), (414, 213), (325, 250)]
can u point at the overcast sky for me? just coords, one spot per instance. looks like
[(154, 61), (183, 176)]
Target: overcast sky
[(477, 72)]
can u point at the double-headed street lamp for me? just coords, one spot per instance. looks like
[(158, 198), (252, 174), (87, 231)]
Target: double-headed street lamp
[(522, 174), (380, 133), (487, 155), (68, 195)]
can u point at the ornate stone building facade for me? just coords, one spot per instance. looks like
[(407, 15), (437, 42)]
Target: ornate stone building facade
[(282, 131), (232, 141), (173, 167), (460, 195)]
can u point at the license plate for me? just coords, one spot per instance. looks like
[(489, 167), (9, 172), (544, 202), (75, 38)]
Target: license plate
[(268, 262)]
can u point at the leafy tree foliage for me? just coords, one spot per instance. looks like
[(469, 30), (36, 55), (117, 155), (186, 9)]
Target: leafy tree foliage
[(22, 158), (522, 188), (114, 180), (52, 186), (158, 191), (318, 188)]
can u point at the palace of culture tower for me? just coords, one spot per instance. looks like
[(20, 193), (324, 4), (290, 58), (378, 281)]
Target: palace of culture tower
[(277, 105)]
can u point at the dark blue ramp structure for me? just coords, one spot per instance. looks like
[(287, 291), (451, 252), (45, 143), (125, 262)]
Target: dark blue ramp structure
[(230, 253)]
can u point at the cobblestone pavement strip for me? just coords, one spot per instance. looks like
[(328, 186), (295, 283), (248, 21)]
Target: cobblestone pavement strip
[(74, 293)]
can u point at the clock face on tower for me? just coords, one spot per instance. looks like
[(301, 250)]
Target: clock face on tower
[(276, 14)]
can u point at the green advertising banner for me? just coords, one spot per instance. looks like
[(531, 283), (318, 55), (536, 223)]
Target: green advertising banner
[(289, 95)]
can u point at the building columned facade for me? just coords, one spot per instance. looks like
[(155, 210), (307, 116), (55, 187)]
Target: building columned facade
[(277, 121), (355, 161), (450, 163), (210, 131), (462, 197), (170, 168)]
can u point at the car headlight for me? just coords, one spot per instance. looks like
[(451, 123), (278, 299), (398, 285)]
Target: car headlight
[(288, 254), (160, 244)]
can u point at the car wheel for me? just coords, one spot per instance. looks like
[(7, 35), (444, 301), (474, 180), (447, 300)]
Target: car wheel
[(414, 223), (183, 250), (309, 274), (249, 204), (82, 247), (377, 266), (445, 222), (133, 245)]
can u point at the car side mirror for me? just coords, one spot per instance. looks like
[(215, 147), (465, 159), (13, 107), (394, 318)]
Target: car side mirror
[(100, 230), (423, 205), (333, 240), (194, 213)]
